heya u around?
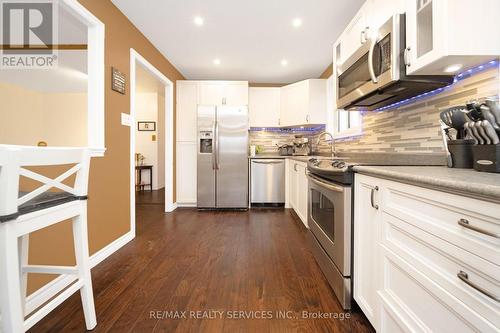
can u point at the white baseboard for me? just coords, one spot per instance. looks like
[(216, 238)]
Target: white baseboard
[(52, 288), (171, 208), (109, 249), (186, 204)]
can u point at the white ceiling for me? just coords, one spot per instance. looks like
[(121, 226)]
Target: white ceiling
[(250, 37)]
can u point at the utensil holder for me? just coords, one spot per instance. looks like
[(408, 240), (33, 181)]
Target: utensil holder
[(461, 153), (486, 158)]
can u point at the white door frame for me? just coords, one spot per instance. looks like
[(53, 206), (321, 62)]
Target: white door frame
[(95, 66), (135, 58)]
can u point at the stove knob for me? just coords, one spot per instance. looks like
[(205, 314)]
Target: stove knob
[(334, 163), (341, 165)]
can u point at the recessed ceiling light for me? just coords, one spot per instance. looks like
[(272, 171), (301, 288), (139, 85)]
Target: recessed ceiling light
[(284, 62), (453, 68), (217, 62), (297, 22), (198, 20)]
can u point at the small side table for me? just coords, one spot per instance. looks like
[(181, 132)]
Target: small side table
[(139, 186)]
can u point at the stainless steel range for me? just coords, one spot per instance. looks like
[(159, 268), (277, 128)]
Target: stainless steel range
[(330, 222)]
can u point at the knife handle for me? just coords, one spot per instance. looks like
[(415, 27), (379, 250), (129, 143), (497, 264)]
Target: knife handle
[(472, 126), (488, 115), (490, 132)]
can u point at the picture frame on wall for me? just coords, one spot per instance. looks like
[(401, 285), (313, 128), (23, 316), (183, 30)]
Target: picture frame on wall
[(146, 126)]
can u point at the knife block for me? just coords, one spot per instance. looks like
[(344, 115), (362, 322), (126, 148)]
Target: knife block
[(486, 158), (461, 153)]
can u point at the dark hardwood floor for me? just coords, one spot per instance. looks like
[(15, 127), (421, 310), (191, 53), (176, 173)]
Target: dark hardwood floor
[(146, 197), (257, 262)]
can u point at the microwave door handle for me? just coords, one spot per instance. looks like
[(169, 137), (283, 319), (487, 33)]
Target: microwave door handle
[(371, 69)]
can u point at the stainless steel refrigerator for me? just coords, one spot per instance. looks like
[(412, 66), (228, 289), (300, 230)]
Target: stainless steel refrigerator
[(222, 157)]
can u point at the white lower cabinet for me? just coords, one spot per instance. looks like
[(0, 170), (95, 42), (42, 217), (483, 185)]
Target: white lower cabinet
[(298, 189), (366, 234), (186, 173), (416, 268)]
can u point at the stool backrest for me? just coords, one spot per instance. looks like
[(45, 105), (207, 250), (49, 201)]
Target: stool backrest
[(14, 158)]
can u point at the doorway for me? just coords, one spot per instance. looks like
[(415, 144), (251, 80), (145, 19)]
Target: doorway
[(151, 136)]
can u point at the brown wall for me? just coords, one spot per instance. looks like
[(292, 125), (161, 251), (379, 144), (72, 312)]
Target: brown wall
[(109, 190), (328, 72)]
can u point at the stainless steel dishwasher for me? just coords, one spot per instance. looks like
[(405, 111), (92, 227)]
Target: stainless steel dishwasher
[(267, 182)]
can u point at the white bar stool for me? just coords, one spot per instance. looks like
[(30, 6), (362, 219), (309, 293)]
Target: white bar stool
[(23, 213)]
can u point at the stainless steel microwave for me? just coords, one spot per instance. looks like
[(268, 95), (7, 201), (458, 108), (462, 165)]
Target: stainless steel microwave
[(375, 75)]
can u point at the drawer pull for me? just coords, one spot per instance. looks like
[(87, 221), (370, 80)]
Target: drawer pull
[(465, 278), (372, 201), (465, 223)]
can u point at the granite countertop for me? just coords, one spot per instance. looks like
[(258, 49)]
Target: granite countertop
[(297, 158), (463, 181), (263, 156)]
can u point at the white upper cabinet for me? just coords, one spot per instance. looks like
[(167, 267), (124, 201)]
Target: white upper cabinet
[(186, 110), (379, 11), (303, 103), (437, 37), (373, 14), (264, 106), (355, 34), (293, 104), (232, 93)]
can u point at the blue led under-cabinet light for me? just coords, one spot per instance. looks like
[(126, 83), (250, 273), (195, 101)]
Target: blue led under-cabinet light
[(461, 76)]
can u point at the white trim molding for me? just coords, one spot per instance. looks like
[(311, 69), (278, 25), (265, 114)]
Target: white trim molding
[(37, 298), (95, 68), (136, 58)]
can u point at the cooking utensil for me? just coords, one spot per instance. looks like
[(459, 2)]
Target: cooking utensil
[(482, 133), (469, 133), (488, 115), (479, 138), (474, 110), (490, 132), (449, 161), (455, 118), (494, 106), (285, 150)]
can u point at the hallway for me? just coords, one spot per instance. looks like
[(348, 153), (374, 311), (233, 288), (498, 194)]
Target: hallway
[(255, 261)]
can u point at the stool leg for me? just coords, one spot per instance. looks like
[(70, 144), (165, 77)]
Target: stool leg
[(10, 287), (82, 262), (23, 243)]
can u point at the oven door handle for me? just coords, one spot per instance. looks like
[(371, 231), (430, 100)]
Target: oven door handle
[(325, 184), (371, 69)]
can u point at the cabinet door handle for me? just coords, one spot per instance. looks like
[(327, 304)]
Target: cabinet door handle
[(465, 278), (406, 56), (307, 118), (363, 38), (465, 223), (372, 199), (295, 166)]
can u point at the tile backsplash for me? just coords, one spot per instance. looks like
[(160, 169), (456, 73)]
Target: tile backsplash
[(412, 128), (267, 140)]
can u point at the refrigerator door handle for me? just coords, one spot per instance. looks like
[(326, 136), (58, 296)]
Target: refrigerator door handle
[(214, 146), (217, 145)]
